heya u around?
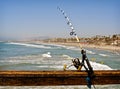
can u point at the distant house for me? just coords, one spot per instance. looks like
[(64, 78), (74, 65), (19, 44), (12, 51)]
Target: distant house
[(115, 43)]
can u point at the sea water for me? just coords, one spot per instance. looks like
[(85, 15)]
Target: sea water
[(31, 56)]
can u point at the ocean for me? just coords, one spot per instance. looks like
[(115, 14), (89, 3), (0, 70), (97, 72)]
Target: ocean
[(33, 56)]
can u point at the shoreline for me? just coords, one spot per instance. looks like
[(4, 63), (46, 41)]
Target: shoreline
[(114, 49), (101, 47)]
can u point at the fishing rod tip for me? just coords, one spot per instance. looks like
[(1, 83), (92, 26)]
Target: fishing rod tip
[(58, 7)]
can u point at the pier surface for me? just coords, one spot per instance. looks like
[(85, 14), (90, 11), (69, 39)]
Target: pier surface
[(45, 78)]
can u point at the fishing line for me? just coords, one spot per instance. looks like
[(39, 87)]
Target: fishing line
[(73, 32)]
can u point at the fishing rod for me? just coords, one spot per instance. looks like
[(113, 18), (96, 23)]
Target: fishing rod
[(76, 63)]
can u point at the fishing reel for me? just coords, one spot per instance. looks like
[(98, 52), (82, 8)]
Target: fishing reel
[(77, 64)]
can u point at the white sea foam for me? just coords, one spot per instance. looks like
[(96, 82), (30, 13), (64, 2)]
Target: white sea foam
[(58, 65), (61, 46), (70, 47), (90, 52), (117, 53), (97, 66), (48, 54), (33, 59), (66, 56), (30, 45), (104, 55), (78, 49), (55, 45), (51, 67), (55, 62)]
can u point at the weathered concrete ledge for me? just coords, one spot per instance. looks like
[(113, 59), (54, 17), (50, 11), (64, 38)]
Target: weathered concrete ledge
[(44, 78)]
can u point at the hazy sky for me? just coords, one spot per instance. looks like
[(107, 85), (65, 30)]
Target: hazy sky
[(35, 18)]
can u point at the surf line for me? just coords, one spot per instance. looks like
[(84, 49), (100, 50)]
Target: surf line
[(75, 62)]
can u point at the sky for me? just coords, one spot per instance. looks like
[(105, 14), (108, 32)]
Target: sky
[(23, 19)]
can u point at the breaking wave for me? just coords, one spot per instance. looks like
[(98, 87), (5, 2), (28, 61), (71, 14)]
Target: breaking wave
[(104, 55), (95, 65), (47, 55), (30, 45), (42, 63), (90, 52)]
